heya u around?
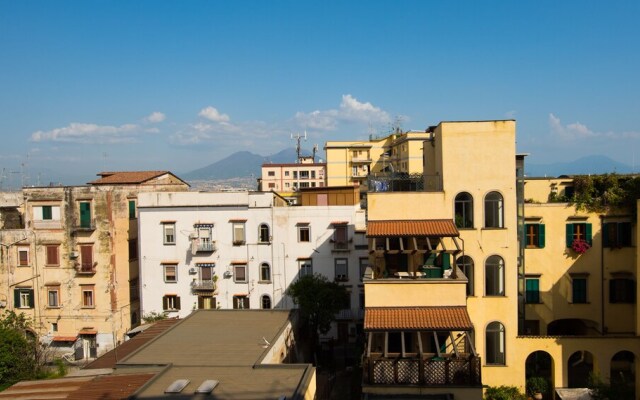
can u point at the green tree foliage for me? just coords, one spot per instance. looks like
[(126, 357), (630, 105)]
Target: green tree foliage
[(599, 193), (503, 393), (604, 391), (18, 350), (319, 300)]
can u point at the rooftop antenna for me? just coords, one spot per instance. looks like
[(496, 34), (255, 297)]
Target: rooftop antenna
[(315, 150), (298, 138)]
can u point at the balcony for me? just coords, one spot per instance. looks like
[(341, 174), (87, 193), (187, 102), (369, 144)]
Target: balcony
[(86, 268), (404, 182), (85, 226), (425, 371), (203, 285), (198, 245), (361, 160)]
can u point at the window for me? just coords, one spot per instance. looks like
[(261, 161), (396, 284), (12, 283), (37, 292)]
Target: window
[(363, 264), (170, 273), (54, 327), (465, 263), (494, 276), (286, 184), (238, 233), (52, 255), (616, 234), (313, 174), (133, 249), (579, 290), (578, 231), (286, 173), (46, 213), (495, 353), (304, 233), (304, 184), (464, 210), (203, 240), (53, 296), (86, 259), (295, 174), (340, 237), (622, 290), (493, 210), (240, 302), (206, 302), (169, 233), (171, 302), (534, 236), (205, 272), (265, 302), (134, 294), (306, 267), (240, 273), (23, 256), (265, 272), (272, 185), (341, 269), (23, 298), (532, 290), (271, 173), (263, 233), (88, 296), (85, 214), (132, 209)]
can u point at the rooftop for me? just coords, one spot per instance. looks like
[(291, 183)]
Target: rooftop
[(127, 177), (446, 318), (427, 227)]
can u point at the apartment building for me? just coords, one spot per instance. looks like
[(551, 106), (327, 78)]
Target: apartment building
[(72, 266), (351, 162), (287, 179), (470, 285), (241, 250)]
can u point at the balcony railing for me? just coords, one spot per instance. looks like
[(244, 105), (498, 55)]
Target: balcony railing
[(404, 182), (86, 268), (422, 371), (203, 285)]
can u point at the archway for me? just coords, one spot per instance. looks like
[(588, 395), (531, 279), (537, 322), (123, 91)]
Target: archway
[(579, 368), (623, 373), (540, 364)]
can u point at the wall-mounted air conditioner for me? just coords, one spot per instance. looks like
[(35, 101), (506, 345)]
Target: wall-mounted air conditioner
[(192, 271), (74, 254)]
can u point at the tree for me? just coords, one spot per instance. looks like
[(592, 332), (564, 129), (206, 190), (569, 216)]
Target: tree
[(18, 350), (319, 301)]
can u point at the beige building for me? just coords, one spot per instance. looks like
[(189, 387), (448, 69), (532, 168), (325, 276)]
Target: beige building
[(72, 267), (287, 179), (351, 162)]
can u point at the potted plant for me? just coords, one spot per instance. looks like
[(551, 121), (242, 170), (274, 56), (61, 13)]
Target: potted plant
[(536, 387), (580, 246)]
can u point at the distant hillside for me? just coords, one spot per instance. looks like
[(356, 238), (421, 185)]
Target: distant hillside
[(239, 164), (595, 164)]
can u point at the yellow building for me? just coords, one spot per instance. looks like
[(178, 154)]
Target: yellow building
[(471, 285), (351, 163), (72, 267)]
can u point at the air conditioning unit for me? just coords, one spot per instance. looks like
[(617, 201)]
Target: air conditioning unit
[(227, 274), (74, 254), (192, 271)]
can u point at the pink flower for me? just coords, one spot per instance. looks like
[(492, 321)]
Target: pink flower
[(580, 246)]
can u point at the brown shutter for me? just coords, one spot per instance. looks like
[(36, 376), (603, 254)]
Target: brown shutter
[(52, 255)]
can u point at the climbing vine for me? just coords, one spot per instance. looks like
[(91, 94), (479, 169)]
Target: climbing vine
[(598, 193)]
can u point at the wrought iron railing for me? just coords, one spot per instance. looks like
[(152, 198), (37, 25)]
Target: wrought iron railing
[(457, 371), (404, 182), (203, 285)]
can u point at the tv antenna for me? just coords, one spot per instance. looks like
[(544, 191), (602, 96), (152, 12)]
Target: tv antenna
[(298, 138), (315, 150)]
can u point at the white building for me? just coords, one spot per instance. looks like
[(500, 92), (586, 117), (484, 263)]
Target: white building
[(242, 249)]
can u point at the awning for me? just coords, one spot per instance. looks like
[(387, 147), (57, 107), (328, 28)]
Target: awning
[(437, 318), (238, 262), (88, 331), (426, 227), (340, 223), (64, 338)]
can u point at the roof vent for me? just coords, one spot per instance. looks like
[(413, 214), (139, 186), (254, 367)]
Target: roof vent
[(177, 386), (207, 386)]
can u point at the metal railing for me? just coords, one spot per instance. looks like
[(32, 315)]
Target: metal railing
[(203, 285), (404, 182), (465, 371)]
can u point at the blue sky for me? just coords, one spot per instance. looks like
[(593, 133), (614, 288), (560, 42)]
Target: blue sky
[(93, 85)]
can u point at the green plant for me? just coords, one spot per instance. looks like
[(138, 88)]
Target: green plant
[(604, 391), (153, 317), (537, 384), (503, 393)]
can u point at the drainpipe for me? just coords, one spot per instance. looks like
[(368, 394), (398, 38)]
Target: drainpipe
[(602, 285)]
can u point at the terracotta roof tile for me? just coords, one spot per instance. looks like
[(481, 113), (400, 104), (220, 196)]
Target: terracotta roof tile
[(124, 177), (426, 227), (417, 318), (111, 387)]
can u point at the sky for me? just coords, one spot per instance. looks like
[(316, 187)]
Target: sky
[(87, 86)]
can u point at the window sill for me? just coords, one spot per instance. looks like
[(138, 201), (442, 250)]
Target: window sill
[(264, 243), (493, 228), (169, 244), (170, 281), (533, 247), (53, 307), (25, 308), (172, 310), (466, 229), (88, 307), (240, 281), (52, 266), (264, 282), (495, 365), (500, 296), (24, 266)]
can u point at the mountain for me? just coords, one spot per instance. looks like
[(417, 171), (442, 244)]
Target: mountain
[(239, 164), (595, 164)]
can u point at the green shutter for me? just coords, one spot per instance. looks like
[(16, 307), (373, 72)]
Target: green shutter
[(165, 303), (177, 302), (16, 298), (569, 234), (532, 290), (85, 215), (605, 234), (32, 299), (446, 261), (588, 234), (541, 236), (132, 209), (46, 213)]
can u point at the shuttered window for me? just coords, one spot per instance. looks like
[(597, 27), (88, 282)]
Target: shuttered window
[(532, 290), (53, 256), (578, 231)]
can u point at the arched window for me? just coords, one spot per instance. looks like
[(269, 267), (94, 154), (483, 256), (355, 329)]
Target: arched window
[(493, 210), (494, 276), (464, 210), (265, 272), (263, 233), (465, 263), (265, 302), (495, 352)]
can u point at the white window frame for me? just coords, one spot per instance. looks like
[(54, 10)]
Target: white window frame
[(236, 267), (88, 289), (175, 272), (24, 249), (302, 228), (168, 237), (305, 267), (53, 290), (239, 233)]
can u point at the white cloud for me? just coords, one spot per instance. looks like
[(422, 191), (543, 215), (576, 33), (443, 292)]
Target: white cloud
[(156, 117), (578, 130), (212, 114), (77, 132), (350, 111)]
